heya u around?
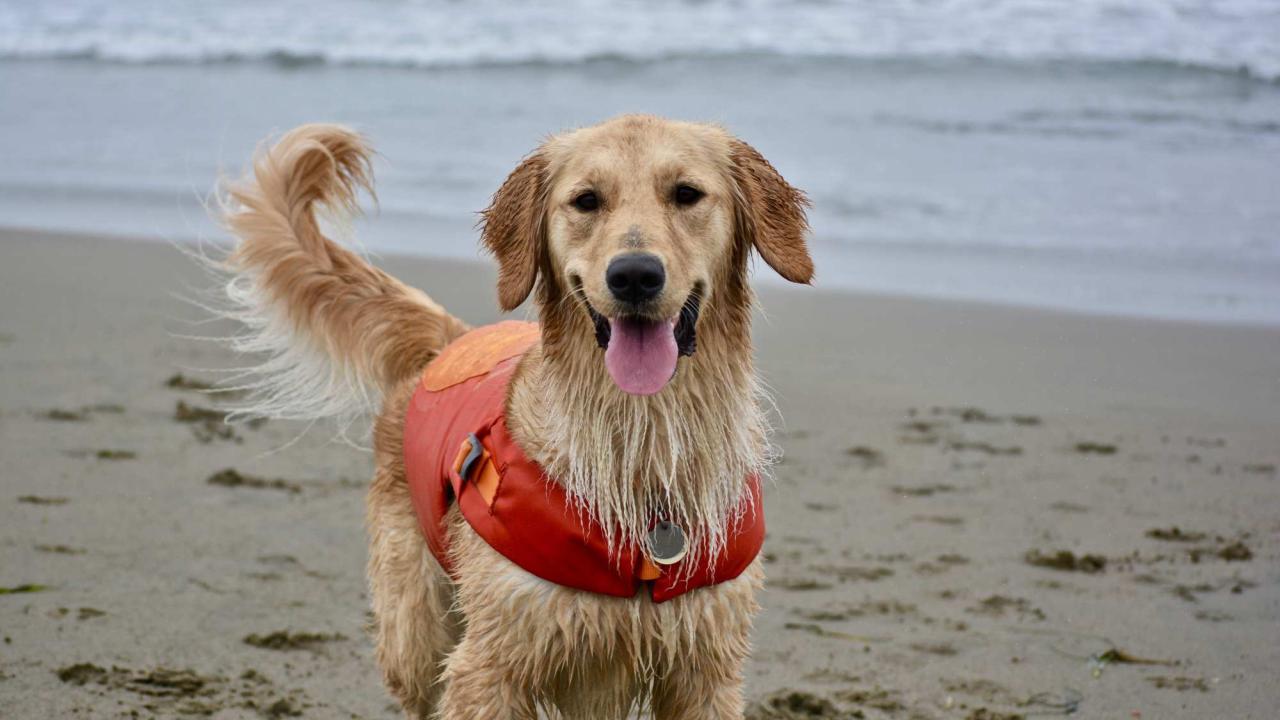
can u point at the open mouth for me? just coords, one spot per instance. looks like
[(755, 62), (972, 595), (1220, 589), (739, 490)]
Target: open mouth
[(640, 352)]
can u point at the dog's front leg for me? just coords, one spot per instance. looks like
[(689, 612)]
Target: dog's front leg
[(479, 685), (705, 683), (698, 697)]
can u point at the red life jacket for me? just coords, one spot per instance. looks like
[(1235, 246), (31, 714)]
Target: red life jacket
[(505, 496)]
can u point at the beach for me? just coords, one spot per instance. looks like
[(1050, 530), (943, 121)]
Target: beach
[(980, 510)]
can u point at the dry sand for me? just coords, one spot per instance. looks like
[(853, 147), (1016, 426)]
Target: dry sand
[(929, 448)]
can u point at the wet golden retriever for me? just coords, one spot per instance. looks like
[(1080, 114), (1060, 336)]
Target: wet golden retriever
[(634, 235)]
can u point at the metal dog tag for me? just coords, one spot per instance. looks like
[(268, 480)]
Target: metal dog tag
[(667, 543)]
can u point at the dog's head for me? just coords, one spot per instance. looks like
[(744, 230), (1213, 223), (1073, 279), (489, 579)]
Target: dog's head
[(638, 223)]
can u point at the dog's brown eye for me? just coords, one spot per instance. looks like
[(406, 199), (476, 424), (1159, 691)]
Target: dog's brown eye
[(686, 195), (587, 201)]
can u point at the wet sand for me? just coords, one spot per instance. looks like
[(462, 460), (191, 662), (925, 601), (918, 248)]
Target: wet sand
[(981, 511)]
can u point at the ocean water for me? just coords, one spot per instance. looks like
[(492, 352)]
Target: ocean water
[(1112, 157)]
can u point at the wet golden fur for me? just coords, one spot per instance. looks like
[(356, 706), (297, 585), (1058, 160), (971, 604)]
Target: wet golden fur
[(341, 335)]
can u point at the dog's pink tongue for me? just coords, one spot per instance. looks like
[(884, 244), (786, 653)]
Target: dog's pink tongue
[(641, 356)]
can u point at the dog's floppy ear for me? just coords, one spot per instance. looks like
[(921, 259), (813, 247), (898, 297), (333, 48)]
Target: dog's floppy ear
[(513, 229), (771, 214)]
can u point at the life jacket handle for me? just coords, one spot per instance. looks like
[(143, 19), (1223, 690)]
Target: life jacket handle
[(473, 456)]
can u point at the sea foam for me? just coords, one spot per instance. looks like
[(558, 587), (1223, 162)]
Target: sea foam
[(1223, 35)]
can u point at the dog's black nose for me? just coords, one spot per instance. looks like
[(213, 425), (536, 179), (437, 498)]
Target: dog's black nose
[(635, 277)]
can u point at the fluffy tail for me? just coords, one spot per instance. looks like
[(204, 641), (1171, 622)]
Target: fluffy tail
[(335, 331)]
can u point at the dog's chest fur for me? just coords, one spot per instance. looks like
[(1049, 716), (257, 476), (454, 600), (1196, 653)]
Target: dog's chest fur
[(683, 455)]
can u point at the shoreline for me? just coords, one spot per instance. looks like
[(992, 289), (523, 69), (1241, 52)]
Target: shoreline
[(884, 256)]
